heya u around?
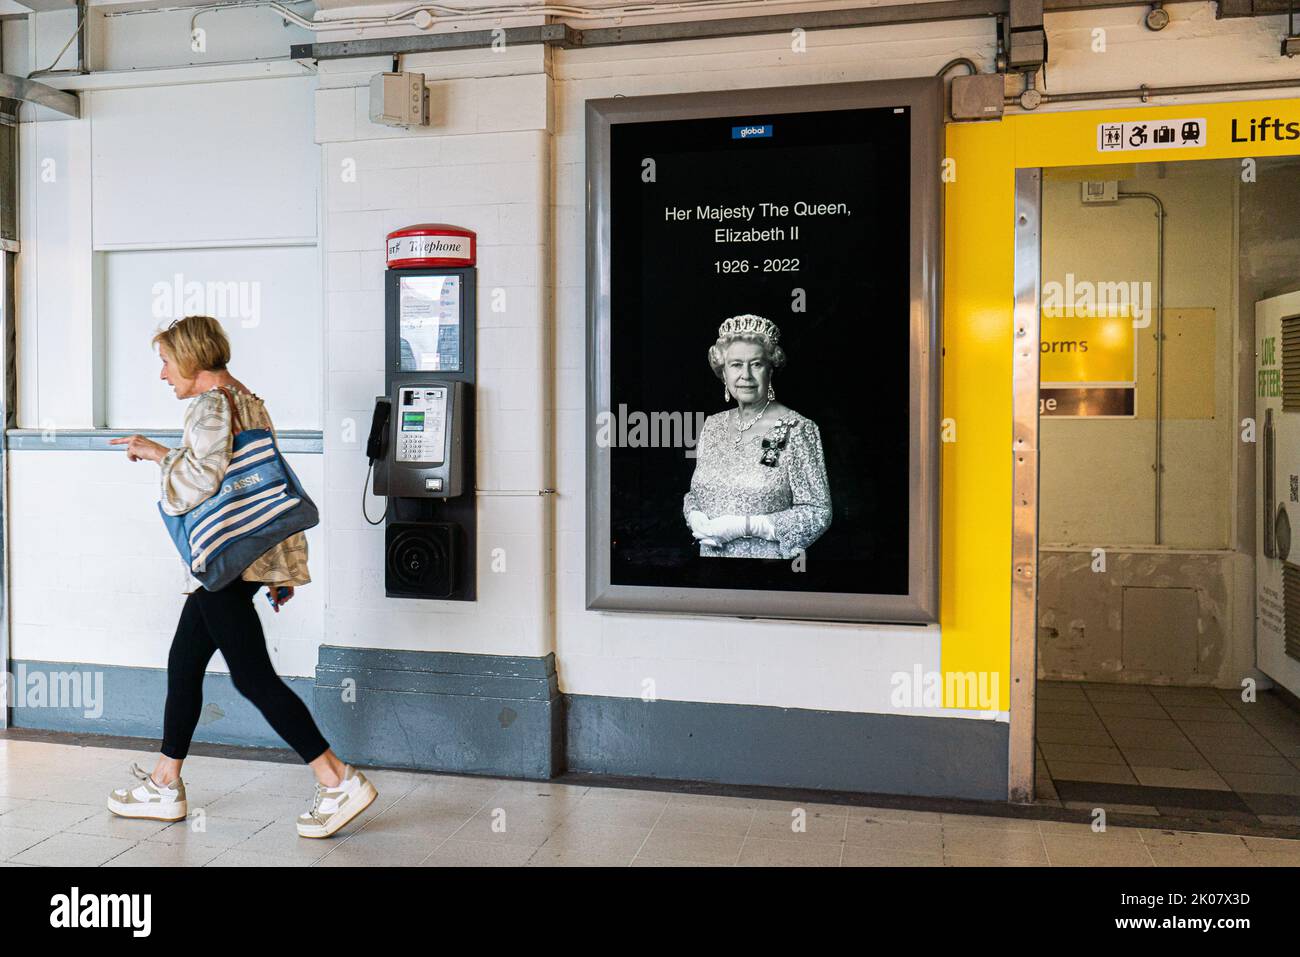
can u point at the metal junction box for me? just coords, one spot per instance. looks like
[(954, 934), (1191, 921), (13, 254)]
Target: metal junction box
[(978, 97), (399, 99)]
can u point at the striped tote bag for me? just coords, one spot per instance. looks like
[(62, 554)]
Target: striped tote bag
[(259, 504)]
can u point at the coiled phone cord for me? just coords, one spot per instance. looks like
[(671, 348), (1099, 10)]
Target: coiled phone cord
[(364, 513)]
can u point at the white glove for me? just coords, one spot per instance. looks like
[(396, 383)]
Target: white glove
[(726, 528), (699, 523), (762, 526)]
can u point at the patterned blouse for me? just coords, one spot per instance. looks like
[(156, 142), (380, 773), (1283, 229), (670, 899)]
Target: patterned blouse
[(781, 474), (193, 472)]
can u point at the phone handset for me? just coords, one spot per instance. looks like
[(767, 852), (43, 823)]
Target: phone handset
[(375, 445), (377, 448)]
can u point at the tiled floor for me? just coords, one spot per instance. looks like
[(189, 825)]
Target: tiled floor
[(1199, 746), (242, 811)]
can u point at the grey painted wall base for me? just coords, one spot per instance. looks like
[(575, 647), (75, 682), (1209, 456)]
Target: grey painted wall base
[(491, 714), (130, 703), (787, 747), (482, 714)]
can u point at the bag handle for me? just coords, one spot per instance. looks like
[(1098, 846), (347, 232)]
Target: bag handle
[(235, 426)]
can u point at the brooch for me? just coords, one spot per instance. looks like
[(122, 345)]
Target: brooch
[(774, 442)]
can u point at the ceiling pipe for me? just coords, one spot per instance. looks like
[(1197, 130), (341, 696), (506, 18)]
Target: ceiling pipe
[(1144, 93), (81, 36), (566, 36)]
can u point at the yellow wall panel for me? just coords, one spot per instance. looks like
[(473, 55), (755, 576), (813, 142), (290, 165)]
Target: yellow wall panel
[(975, 565)]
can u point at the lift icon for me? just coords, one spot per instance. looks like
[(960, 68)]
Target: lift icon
[(1150, 135)]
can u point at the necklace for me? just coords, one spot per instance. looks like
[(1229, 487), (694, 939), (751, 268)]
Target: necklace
[(741, 429)]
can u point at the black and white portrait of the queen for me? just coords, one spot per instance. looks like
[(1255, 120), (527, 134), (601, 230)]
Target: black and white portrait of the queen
[(713, 219), (759, 488)]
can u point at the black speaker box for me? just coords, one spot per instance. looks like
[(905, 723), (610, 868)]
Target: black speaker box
[(422, 559)]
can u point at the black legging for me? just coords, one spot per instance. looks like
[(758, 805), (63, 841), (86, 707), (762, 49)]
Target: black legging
[(226, 620)]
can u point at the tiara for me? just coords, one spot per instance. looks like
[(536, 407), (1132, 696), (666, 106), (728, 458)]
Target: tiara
[(750, 324)]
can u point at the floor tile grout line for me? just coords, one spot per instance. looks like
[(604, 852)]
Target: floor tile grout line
[(462, 826), (486, 802), (133, 846), (745, 840), (1206, 758), (1203, 756), (382, 811), (662, 811), (1096, 714), (551, 832)]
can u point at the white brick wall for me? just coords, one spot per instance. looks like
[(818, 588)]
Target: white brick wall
[(484, 166)]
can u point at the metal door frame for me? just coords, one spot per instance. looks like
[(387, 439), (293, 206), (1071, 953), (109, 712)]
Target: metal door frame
[(1024, 505)]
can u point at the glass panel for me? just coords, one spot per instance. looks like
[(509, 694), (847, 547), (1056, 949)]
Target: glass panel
[(429, 323)]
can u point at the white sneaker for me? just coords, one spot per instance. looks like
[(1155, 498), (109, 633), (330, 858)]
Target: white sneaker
[(331, 808), (149, 801)]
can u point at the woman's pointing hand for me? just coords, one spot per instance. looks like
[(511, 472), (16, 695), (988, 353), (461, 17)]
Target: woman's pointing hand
[(138, 448)]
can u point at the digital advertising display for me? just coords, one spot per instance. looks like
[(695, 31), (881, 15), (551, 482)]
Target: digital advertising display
[(763, 323)]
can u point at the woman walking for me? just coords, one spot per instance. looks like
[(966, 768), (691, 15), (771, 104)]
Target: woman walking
[(195, 353)]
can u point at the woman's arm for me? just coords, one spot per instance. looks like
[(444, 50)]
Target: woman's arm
[(809, 514), (193, 471)]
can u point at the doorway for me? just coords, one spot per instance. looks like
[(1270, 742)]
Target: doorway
[(1150, 700)]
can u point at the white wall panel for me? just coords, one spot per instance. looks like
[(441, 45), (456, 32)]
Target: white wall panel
[(266, 298), (55, 282), (205, 163), (94, 577)]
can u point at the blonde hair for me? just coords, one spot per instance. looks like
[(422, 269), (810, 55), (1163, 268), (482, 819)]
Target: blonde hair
[(196, 344)]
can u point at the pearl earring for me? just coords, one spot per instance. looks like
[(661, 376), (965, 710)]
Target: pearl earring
[(771, 393), (726, 394)]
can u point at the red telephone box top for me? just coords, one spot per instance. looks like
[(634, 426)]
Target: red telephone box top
[(431, 244)]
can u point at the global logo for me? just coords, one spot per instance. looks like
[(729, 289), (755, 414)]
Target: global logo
[(750, 132), (242, 483)]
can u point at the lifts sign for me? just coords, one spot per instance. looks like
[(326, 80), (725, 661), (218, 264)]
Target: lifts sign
[(1265, 129)]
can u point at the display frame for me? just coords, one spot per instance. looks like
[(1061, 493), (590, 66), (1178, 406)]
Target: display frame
[(924, 99), (392, 307)]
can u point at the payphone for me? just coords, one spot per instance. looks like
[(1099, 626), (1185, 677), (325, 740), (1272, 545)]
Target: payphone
[(421, 443)]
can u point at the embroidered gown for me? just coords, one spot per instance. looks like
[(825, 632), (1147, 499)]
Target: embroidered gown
[(731, 479)]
